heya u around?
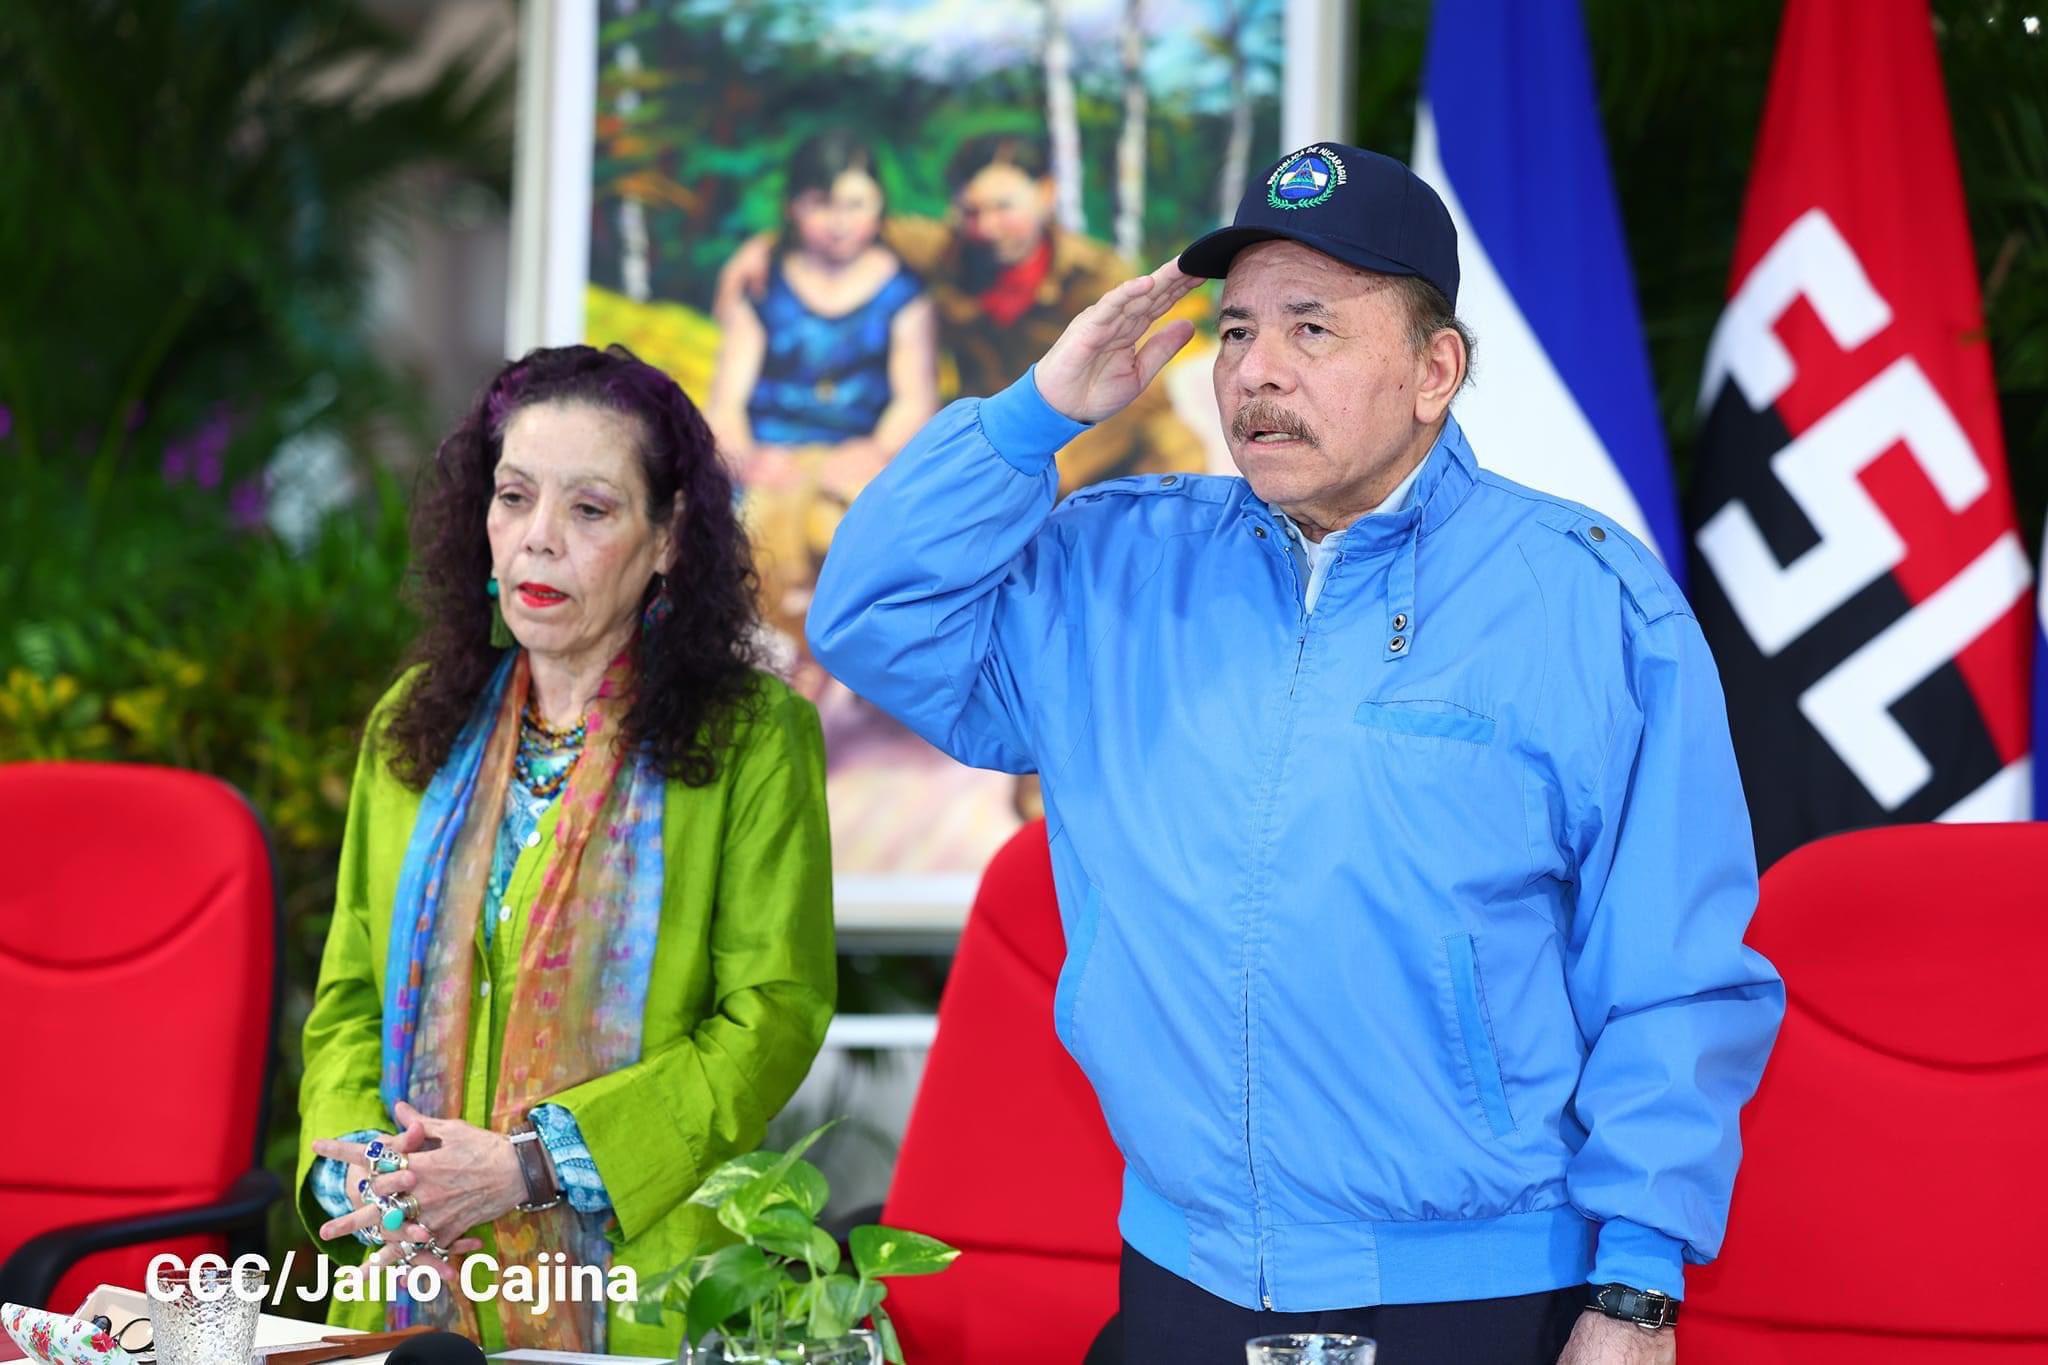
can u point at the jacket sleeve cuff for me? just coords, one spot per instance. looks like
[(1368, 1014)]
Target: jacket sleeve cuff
[(329, 1178), (1023, 428), (575, 1169), (1639, 1257)]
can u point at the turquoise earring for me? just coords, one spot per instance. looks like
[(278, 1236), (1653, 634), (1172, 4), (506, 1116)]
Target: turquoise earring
[(501, 634)]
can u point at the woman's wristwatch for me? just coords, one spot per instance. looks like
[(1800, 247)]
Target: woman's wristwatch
[(1646, 1308), (542, 1190)]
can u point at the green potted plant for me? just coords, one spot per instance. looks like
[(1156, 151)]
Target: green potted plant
[(781, 1295)]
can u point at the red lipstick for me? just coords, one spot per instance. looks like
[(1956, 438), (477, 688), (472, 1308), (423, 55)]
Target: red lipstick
[(539, 596)]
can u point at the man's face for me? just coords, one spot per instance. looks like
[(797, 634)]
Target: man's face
[(1005, 212), (1321, 391)]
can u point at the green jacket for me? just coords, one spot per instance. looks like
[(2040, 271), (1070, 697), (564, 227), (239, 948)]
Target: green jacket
[(741, 990)]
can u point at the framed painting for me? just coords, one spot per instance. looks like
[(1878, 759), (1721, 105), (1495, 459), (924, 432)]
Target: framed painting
[(826, 220)]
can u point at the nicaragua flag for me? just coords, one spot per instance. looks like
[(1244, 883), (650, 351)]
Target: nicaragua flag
[(1508, 134)]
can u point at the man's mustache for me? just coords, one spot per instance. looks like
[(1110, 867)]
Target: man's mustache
[(1261, 415)]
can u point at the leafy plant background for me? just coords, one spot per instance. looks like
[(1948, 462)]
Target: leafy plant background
[(191, 190)]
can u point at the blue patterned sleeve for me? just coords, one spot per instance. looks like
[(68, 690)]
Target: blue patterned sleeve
[(575, 1171), (330, 1183)]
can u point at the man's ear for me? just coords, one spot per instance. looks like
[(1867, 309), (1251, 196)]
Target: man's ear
[(1439, 371), (1048, 195)]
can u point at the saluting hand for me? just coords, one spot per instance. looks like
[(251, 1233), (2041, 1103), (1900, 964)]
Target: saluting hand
[(1097, 366)]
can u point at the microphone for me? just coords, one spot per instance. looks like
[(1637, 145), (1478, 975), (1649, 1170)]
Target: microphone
[(436, 1348)]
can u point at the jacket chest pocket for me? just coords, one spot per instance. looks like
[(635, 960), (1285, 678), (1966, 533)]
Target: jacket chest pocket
[(1424, 719), (1444, 783)]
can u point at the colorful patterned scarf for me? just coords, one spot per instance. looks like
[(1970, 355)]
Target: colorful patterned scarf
[(581, 986)]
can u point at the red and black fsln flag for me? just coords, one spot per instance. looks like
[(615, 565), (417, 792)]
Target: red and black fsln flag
[(1856, 562)]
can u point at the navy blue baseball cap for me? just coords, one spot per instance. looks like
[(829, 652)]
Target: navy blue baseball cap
[(1364, 209)]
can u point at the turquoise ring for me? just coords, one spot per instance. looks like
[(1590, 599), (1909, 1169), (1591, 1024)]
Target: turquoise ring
[(394, 1217), (385, 1165)]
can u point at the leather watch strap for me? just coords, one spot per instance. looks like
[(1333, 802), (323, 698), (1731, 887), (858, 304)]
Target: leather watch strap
[(1643, 1307), (541, 1190)]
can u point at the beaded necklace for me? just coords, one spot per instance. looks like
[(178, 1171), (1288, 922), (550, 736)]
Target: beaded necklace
[(545, 757)]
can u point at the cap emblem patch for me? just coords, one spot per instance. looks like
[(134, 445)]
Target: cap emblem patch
[(1305, 179)]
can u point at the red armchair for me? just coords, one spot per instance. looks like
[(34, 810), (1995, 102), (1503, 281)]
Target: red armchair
[(1006, 1155), (1890, 1204), (139, 965)]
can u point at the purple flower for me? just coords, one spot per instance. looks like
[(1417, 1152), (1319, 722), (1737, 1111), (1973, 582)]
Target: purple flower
[(197, 454), (247, 504), (6, 422)]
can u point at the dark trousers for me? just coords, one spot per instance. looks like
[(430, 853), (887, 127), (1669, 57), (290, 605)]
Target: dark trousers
[(1165, 1320)]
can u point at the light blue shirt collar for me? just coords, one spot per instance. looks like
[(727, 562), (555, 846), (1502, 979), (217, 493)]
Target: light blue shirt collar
[(1316, 556)]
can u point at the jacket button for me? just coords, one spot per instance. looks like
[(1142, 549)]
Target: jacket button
[(1400, 621), (1259, 531), (1397, 644), (1597, 533), (1169, 481)]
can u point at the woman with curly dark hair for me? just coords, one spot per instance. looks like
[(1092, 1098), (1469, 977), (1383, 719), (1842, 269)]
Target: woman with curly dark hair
[(582, 940)]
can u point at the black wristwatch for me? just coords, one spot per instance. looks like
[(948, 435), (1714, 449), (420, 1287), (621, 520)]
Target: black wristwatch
[(1645, 1308)]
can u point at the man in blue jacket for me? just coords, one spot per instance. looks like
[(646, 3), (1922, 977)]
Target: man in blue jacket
[(1400, 849)]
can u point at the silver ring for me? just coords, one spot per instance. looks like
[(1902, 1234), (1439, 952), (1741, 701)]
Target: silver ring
[(408, 1250)]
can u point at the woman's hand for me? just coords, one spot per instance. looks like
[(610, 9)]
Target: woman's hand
[(351, 1155), (850, 467), (1097, 367), (463, 1176)]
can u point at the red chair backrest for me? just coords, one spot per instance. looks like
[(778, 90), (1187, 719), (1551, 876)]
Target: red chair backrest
[(1006, 1155), (138, 964), (1890, 1203)]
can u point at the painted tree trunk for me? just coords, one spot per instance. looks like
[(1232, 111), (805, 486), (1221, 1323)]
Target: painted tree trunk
[(1237, 148), (1062, 126), (1130, 145), (636, 266)]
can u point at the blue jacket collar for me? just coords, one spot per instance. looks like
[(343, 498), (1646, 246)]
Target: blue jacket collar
[(1448, 473)]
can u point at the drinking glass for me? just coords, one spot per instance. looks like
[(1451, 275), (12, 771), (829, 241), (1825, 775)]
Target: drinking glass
[(205, 1316), (859, 1347), (1310, 1348)]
